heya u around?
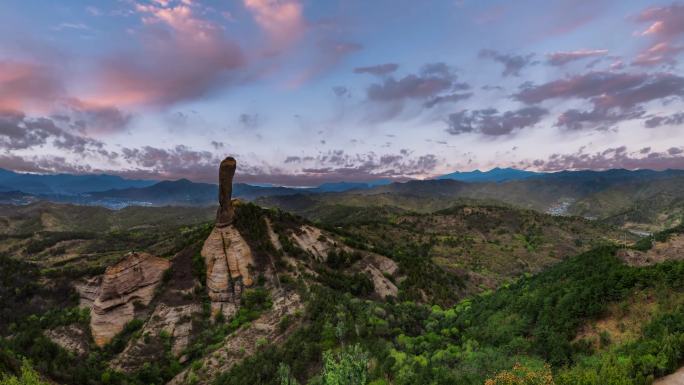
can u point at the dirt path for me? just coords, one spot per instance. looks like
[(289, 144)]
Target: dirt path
[(676, 378)]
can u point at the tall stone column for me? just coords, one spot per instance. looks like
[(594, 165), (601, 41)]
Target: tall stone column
[(225, 212)]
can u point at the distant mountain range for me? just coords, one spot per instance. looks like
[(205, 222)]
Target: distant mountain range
[(116, 192), (494, 175), (587, 193), (64, 184), (346, 186), (643, 199), (185, 192)]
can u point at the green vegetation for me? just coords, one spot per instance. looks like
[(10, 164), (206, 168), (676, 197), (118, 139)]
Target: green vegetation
[(506, 335), (28, 376), (49, 239), (498, 243), (53, 217), (22, 295), (565, 309), (349, 367), (36, 294), (249, 220)]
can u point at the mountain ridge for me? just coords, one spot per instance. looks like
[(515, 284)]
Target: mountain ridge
[(496, 174), (68, 184)]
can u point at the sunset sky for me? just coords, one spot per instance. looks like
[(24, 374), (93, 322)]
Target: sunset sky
[(303, 92)]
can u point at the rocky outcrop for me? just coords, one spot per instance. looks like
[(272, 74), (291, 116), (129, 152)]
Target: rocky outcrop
[(88, 291), (175, 321), (383, 287), (129, 283), (72, 338), (313, 241), (225, 212), (244, 342), (380, 269), (319, 244), (383, 263), (228, 259), (226, 254)]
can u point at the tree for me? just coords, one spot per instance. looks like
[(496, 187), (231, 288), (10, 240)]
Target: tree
[(284, 375), (28, 376), (350, 367)]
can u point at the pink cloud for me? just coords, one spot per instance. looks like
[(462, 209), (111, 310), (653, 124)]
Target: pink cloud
[(27, 86), (665, 28), (659, 53), (665, 21), (181, 56), (30, 88), (282, 20)]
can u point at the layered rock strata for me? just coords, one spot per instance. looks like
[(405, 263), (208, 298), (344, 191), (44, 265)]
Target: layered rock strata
[(125, 285), (228, 259)]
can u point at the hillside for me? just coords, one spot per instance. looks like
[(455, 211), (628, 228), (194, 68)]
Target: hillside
[(487, 244), (591, 319), (45, 216), (287, 255), (364, 291), (642, 206), (645, 200), (69, 240)]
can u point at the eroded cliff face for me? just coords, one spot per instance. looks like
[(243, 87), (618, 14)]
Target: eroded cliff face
[(378, 268), (130, 282), (312, 240), (175, 321), (228, 259), (246, 341)]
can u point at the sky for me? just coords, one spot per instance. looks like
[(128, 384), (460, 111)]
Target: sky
[(302, 92)]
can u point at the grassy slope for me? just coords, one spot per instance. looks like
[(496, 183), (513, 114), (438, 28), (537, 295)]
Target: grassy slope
[(650, 206), (77, 240), (45, 216), (489, 243)]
